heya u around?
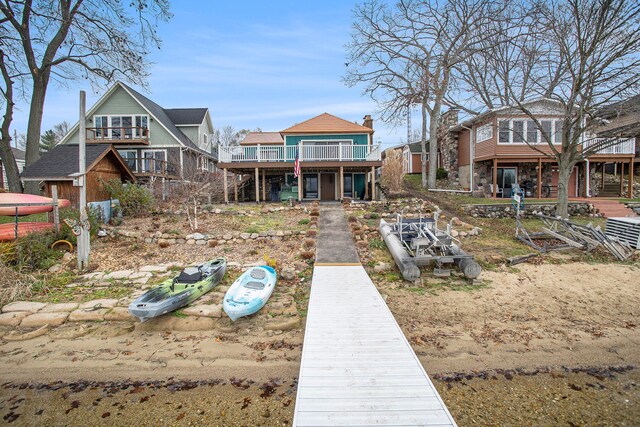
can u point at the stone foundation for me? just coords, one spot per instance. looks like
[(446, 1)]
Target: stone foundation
[(508, 211)]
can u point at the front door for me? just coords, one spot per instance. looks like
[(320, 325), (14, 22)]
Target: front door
[(327, 186)]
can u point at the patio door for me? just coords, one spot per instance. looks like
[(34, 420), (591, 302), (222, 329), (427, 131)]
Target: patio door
[(310, 184), (506, 179), (327, 186)]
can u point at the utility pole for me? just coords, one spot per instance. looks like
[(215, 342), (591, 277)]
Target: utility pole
[(83, 238)]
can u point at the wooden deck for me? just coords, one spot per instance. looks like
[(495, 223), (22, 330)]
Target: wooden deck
[(357, 367)]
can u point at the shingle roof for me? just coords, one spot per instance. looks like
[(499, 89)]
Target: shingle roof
[(253, 138), (327, 123), (186, 116), (62, 161), (620, 108), (416, 147)]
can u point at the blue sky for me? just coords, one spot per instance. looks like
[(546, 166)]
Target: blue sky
[(252, 63)]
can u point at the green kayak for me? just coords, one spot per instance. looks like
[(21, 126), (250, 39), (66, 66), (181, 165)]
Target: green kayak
[(183, 289)]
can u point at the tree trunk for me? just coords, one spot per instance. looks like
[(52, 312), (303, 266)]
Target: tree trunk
[(9, 165), (565, 167), (434, 119), (40, 83), (423, 144)]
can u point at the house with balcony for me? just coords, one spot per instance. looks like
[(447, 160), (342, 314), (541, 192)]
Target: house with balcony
[(156, 143), (489, 153), (337, 159)]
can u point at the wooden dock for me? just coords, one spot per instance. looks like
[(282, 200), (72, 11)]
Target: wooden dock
[(357, 367)]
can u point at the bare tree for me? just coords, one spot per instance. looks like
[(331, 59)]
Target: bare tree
[(406, 55), (583, 54), (99, 40)]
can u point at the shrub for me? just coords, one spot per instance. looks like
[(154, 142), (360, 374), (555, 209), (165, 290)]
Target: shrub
[(314, 213), (307, 254), (392, 171), (271, 262), (304, 221), (135, 199), (352, 218), (311, 233), (309, 243), (442, 173)]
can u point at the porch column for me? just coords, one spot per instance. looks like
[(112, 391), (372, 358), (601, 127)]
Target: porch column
[(300, 187), (264, 187), (342, 183), (495, 178), (539, 186), (621, 178), (224, 181), (366, 185), (257, 186), (604, 165), (373, 182), (630, 189), (235, 187), (587, 178)]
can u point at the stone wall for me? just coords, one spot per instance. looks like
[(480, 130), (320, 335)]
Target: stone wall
[(525, 172), (508, 211), (448, 143), (634, 207)]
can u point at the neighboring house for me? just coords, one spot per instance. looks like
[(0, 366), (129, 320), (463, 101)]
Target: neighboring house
[(19, 156), (411, 156), (490, 152), (337, 159), (167, 144), (58, 166)]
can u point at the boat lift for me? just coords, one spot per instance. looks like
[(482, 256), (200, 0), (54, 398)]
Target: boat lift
[(418, 242)]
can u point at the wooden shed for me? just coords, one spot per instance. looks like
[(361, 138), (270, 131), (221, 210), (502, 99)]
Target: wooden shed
[(60, 164)]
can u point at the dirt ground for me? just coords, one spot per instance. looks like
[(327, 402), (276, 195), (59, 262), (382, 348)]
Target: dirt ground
[(548, 344)]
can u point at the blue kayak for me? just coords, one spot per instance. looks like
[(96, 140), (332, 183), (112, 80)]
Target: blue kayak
[(250, 292)]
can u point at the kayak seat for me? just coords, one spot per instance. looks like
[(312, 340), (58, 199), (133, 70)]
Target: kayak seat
[(189, 275), (258, 273), (254, 285)]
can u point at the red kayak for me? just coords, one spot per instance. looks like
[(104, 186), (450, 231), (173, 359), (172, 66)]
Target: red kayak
[(8, 231), (8, 199)]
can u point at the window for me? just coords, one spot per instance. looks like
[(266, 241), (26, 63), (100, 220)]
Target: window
[(517, 134), (129, 157), (547, 126), (310, 186), (101, 124), (121, 126), (484, 132), (520, 131), (153, 161), (558, 131), (504, 131), (532, 132), (348, 185)]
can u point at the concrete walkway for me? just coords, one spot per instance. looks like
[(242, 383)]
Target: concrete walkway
[(357, 368)]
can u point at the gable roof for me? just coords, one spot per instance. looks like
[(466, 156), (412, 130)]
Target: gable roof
[(186, 116), (62, 161), (18, 154), (253, 138), (620, 108), (327, 123)]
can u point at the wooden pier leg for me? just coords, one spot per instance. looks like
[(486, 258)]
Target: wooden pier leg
[(235, 187), (366, 186), (342, 183), (539, 186), (630, 183), (257, 186), (373, 183), (621, 179), (264, 187), (226, 187)]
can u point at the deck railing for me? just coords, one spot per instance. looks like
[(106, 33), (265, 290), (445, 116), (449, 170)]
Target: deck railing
[(612, 145), (114, 135), (150, 166), (305, 153)]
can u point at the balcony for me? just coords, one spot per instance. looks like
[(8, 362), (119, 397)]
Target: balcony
[(306, 153), (118, 135), (616, 146)]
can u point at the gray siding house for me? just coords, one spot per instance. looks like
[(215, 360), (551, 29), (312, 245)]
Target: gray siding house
[(155, 142)]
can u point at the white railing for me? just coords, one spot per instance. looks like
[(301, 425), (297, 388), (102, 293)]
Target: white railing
[(306, 153), (612, 145)]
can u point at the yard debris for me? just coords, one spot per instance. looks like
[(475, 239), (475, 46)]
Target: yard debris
[(520, 259), (559, 234)]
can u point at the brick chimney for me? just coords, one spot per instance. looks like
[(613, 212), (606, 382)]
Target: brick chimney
[(368, 121), (450, 118)]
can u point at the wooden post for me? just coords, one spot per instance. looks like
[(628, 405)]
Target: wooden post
[(56, 210), (587, 177), (83, 238), (539, 186), (366, 185), (300, 187), (630, 183), (373, 182), (495, 178), (342, 183), (257, 186), (264, 187), (604, 165), (235, 187), (226, 187), (621, 179)]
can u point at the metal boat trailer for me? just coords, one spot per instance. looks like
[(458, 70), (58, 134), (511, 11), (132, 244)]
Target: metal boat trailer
[(418, 242)]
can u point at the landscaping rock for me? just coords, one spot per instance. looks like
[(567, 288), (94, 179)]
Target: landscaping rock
[(254, 235), (30, 307), (191, 242), (204, 310), (119, 314), (93, 276), (381, 267), (201, 242), (454, 233), (67, 256), (40, 319), (286, 325), (118, 275), (55, 268), (245, 236), (88, 315), (153, 268), (288, 273), (13, 318), (198, 236), (99, 303), (64, 307)]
